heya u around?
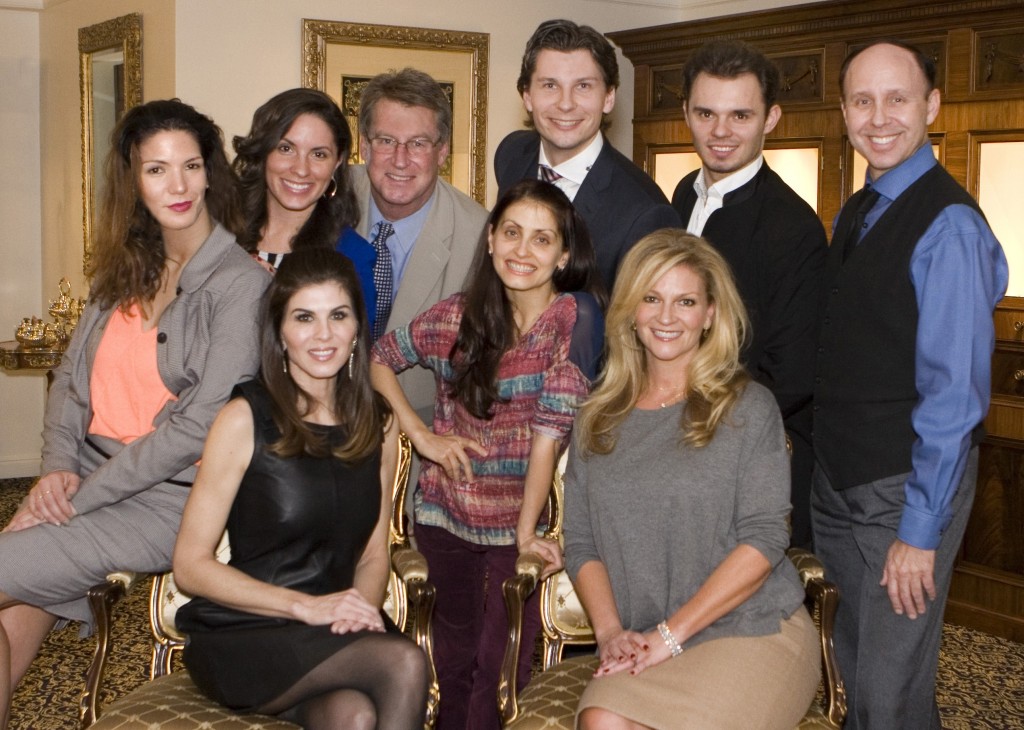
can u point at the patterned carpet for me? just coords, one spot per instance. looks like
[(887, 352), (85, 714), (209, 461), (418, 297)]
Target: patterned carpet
[(980, 683)]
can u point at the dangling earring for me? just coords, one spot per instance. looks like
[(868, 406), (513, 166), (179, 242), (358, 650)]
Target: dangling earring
[(334, 189), (351, 359), (284, 359)]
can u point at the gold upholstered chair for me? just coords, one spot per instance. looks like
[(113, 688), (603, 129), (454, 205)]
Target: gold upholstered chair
[(549, 700), (173, 702)]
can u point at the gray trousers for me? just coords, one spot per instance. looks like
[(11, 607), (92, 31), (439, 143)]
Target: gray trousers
[(888, 662)]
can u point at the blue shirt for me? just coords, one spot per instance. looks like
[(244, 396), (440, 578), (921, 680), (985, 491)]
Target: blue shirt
[(959, 274), (401, 242)]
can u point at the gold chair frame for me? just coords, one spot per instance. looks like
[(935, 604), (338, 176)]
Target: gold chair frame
[(408, 585), (564, 623)]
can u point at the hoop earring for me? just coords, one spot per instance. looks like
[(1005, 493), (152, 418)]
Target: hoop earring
[(334, 190)]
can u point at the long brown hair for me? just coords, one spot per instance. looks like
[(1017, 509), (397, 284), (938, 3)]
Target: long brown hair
[(360, 410), (487, 330), (129, 257), (270, 123), (715, 377)]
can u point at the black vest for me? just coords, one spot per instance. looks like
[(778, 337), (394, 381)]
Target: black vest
[(864, 382)]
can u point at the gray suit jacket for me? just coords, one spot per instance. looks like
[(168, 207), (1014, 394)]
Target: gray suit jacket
[(207, 342), (436, 269)]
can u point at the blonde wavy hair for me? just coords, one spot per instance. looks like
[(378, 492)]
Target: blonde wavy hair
[(715, 378)]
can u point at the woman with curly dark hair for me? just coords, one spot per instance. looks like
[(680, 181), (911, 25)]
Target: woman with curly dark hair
[(293, 171), (168, 332)]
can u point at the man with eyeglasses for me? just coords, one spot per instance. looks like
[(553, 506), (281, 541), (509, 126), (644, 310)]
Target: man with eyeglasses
[(425, 231), (568, 79)]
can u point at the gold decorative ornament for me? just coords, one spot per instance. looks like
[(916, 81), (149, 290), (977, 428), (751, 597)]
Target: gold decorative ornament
[(39, 345)]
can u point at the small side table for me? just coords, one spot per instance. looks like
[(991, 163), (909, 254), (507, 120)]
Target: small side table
[(14, 357)]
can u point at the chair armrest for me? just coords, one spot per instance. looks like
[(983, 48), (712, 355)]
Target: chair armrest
[(411, 568), (409, 564), (823, 598), (102, 598), (516, 590), (807, 564)]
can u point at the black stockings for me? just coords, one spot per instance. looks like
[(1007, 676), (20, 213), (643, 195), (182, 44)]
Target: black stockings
[(376, 683)]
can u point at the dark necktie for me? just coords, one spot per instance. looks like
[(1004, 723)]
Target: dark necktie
[(547, 174), (383, 278), (850, 241)]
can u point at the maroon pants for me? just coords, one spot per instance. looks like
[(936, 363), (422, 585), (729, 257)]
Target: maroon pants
[(471, 626)]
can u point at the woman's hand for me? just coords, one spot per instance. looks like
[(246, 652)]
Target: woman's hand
[(550, 550), (345, 611), (621, 650), (656, 653), (48, 501), (450, 452)]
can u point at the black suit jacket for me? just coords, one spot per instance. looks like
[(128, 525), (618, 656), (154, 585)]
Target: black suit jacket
[(776, 247), (618, 201)]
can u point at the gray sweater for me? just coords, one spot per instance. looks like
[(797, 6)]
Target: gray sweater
[(661, 516)]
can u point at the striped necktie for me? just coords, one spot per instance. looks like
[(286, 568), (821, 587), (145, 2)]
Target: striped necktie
[(383, 277), (547, 174)]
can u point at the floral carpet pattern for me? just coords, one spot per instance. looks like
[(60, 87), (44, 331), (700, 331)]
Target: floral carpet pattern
[(980, 681)]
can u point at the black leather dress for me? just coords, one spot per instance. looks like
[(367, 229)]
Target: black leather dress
[(301, 523)]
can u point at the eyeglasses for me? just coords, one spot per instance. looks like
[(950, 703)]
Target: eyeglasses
[(416, 147)]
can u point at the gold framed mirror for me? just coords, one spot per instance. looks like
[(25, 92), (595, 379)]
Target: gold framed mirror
[(110, 80), (338, 59)]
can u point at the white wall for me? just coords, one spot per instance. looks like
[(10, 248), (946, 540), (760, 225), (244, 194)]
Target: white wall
[(231, 59), (21, 393)]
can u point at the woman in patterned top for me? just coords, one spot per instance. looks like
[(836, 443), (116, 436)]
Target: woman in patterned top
[(508, 388)]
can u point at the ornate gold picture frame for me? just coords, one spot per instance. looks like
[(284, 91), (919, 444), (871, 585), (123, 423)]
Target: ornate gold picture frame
[(337, 55), (110, 83)]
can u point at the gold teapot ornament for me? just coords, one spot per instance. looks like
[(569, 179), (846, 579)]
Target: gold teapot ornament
[(65, 311), (35, 334)]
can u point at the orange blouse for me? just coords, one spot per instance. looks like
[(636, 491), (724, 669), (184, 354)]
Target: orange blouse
[(127, 392)]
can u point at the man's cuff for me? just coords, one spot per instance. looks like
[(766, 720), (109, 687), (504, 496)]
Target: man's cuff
[(921, 529)]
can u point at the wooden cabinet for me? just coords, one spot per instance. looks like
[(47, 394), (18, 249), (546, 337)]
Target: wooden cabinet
[(988, 590), (978, 47)]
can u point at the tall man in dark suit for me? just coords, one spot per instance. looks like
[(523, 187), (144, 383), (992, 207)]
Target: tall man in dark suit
[(771, 238), (568, 80), (902, 387)]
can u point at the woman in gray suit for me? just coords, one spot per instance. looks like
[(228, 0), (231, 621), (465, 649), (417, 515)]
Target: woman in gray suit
[(168, 331)]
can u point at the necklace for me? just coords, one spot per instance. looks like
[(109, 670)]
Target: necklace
[(675, 392)]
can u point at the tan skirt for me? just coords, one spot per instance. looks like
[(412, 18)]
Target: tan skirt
[(741, 683)]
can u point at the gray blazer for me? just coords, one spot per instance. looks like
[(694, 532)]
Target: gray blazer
[(207, 342), (436, 269)]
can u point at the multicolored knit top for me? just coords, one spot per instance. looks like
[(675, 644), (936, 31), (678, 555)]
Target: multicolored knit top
[(540, 390)]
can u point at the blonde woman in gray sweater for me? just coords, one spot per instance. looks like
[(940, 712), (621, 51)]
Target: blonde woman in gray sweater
[(676, 501)]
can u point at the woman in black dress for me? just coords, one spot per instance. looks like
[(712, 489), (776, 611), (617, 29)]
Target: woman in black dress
[(294, 469)]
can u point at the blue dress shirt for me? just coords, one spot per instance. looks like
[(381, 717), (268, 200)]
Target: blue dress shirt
[(959, 274), (401, 242)]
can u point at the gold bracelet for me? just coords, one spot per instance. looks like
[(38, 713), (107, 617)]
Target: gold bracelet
[(670, 640)]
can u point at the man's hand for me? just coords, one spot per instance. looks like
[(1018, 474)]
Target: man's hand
[(909, 575)]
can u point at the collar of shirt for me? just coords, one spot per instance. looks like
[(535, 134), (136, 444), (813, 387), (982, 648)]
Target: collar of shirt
[(407, 230), (574, 170), (710, 199), (894, 182)]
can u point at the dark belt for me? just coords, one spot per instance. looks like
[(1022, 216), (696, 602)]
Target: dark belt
[(95, 447)]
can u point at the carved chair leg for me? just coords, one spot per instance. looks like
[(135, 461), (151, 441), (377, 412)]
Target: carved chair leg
[(422, 595), (101, 598)]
